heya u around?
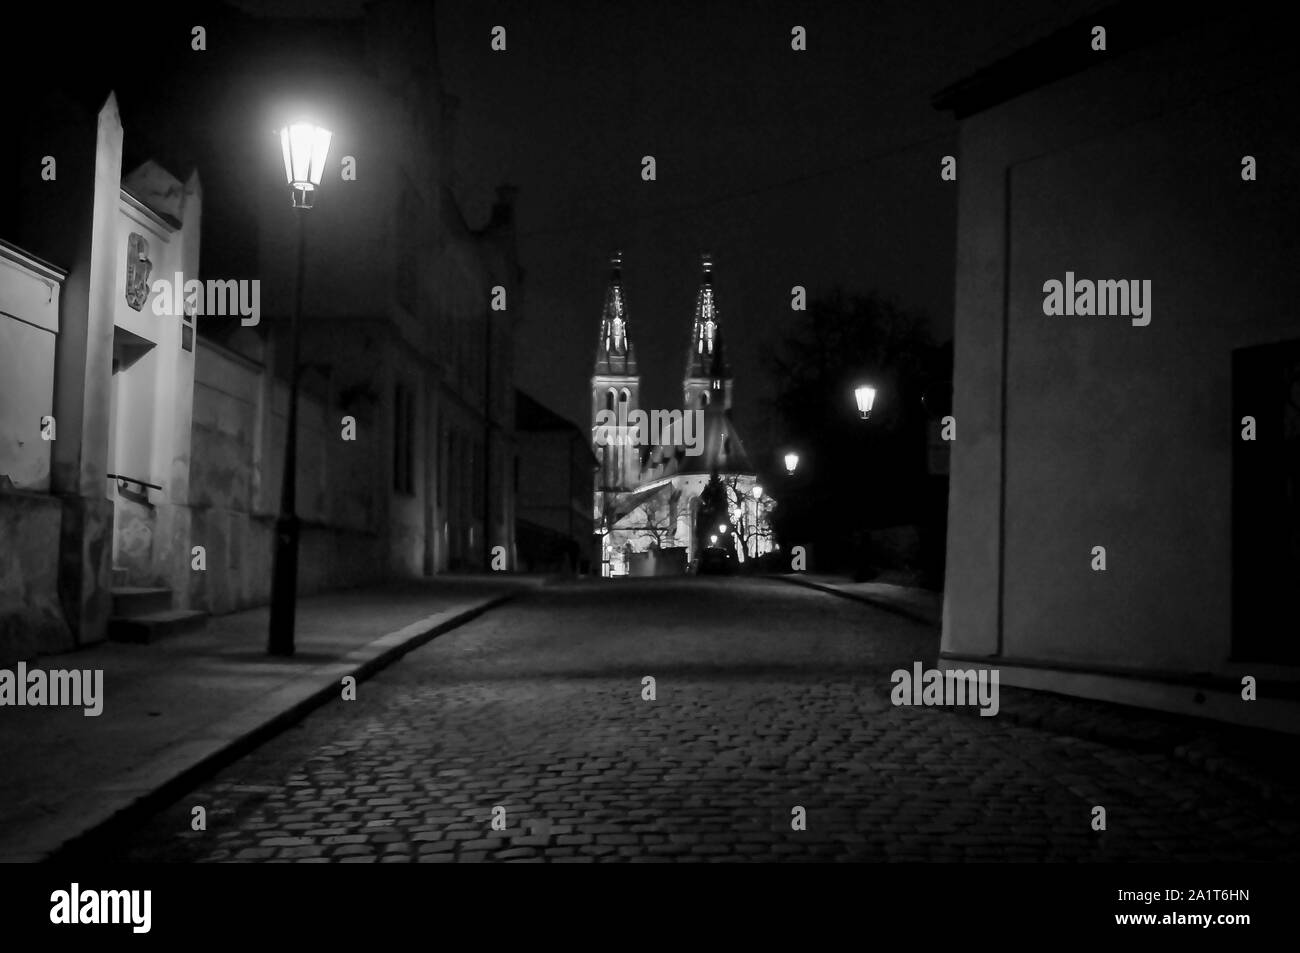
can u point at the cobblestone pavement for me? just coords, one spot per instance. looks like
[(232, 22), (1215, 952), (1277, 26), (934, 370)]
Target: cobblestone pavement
[(768, 697)]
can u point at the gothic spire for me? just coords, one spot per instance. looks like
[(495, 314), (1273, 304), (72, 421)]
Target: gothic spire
[(705, 358), (614, 351)]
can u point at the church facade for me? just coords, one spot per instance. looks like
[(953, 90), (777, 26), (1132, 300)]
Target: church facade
[(672, 483)]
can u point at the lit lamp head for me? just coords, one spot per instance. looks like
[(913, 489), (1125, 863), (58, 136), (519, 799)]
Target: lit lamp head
[(866, 396), (304, 146), (791, 461), (757, 491), (722, 528), (713, 539)]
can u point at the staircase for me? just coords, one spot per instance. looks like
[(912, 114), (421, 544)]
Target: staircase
[(143, 614)]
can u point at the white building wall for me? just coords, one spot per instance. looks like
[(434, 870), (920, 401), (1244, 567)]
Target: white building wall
[(1113, 435), (29, 327)]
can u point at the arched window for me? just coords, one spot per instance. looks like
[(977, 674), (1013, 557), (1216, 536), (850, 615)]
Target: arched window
[(609, 399), (625, 396), (704, 398)]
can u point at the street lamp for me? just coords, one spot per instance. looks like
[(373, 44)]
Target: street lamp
[(866, 396), (791, 461), (722, 528), (713, 539), (304, 146), (757, 491)]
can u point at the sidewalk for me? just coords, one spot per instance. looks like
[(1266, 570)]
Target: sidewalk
[(919, 605), (182, 707), (1258, 760)]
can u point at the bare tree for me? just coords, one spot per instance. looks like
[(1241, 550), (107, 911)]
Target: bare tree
[(660, 522), (655, 518), (738, 503)]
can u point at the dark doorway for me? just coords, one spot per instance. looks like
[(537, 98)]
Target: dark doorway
[(1266, 503)]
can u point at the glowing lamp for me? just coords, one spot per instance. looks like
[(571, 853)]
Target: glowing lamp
[(304, 146), (866, 396), (791, 461)]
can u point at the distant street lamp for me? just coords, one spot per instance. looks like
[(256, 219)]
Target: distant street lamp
[(304, 146), (757, 491), (866, 396), (791, 462), (713, 539), (722, 528)]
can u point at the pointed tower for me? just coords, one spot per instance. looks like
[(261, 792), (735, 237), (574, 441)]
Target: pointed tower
[(708, 375), (615, 387)]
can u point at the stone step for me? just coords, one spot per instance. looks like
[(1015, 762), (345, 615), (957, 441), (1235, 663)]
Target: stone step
[(130, 601), (152, 626)]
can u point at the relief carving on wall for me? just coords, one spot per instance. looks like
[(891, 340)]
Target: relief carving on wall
[(138, 267)]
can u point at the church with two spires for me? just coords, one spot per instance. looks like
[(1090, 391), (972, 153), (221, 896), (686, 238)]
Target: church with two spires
[(653, 498)]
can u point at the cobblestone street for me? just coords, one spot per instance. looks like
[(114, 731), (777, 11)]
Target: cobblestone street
[(768, 697)]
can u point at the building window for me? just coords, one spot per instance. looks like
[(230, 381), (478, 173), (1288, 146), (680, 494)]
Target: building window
[(450, 469), (476, 475), (403, 439), (187, 327), (444, 453)]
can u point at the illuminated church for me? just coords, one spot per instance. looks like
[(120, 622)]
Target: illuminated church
[(651, 504)]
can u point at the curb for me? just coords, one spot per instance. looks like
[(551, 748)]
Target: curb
[(1198, 743), (856, 597), (264, 721)]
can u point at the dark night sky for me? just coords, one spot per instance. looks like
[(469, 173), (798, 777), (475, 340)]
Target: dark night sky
[(817, 168)]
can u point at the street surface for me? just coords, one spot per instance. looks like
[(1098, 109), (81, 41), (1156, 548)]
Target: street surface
[(769, 697)]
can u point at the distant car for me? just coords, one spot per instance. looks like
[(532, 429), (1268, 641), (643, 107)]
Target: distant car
[(715, 561)]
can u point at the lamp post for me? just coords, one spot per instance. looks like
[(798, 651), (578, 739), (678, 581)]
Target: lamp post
[(755, 522), (304, 146), (865, 396)]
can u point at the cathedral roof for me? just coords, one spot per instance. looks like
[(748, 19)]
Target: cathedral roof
[(619, 505), (721, 448), (615, 354)]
